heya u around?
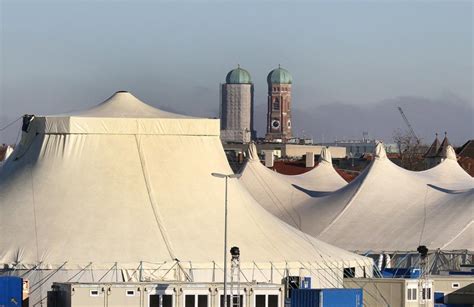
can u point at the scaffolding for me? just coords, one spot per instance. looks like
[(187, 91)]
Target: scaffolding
[(235, 277)]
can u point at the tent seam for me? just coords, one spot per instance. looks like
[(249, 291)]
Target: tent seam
[(152, 203)]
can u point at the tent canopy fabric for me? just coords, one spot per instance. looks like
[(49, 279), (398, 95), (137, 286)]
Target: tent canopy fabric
[(91, 187), (322, 178), (448, 174), (283, 195), (392, 209), (388, 208)]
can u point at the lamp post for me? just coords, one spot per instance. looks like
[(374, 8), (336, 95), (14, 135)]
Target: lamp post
[(219, 175)]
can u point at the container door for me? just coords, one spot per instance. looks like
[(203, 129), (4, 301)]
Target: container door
[(161, 300)]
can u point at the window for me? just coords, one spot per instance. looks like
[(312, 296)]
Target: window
[(411, 294), (189, 301), (272, 300), (130, 293), (455, 285), (276, 104), (94, 293), (161, 300), (266, 300), (426, 294), (235, 303), (202, 301), (194, 300), (349, 272)]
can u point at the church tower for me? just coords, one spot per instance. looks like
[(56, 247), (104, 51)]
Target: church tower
[(236, 107), (279, 106)]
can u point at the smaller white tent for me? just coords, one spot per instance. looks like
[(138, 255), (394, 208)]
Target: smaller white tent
[(448, 174), (283, 195), (322, 178)]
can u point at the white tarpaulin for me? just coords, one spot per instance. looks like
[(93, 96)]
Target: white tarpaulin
[(125, 184), (388, 208), (283, 195), (322, 178)]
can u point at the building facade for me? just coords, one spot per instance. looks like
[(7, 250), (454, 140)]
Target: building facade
[(236, 107), (356, 148), (279, 123)]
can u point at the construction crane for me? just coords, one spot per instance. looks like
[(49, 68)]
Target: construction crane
[(410, 128)]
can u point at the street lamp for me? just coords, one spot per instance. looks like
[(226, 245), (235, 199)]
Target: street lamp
[(219, 175)]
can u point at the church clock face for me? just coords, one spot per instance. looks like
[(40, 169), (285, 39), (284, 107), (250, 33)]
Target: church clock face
[(275, 124)]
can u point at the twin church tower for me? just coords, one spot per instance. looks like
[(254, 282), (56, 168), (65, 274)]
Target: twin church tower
[(237, 104)]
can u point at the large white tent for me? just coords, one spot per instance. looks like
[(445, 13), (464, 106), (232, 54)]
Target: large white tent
[(125, 190)]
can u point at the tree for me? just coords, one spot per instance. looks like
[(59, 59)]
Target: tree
[(410, 148)]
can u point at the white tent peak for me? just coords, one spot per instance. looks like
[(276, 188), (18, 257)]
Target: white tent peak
[(325, 155), (380, 152), (123, 104), (449, 153), (123, 113), (253, 155)]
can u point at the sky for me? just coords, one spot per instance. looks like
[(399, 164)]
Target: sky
[(69, 55)]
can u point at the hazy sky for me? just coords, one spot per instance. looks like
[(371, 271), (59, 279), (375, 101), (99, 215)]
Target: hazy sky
[(68, 55)]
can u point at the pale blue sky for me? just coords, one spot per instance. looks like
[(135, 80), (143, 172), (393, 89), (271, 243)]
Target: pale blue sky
[(66, 55)]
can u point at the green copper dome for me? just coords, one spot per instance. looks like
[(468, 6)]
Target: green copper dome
[(279, 76), (238, 76)]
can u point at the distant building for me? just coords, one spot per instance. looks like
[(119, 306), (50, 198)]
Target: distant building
[(466, 150), (359, 148), (437, 152), (279, 106), (466, 157), (286, 150), (236, 108)]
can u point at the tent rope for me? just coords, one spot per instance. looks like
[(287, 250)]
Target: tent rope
[(10, 124), (424, 217)]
